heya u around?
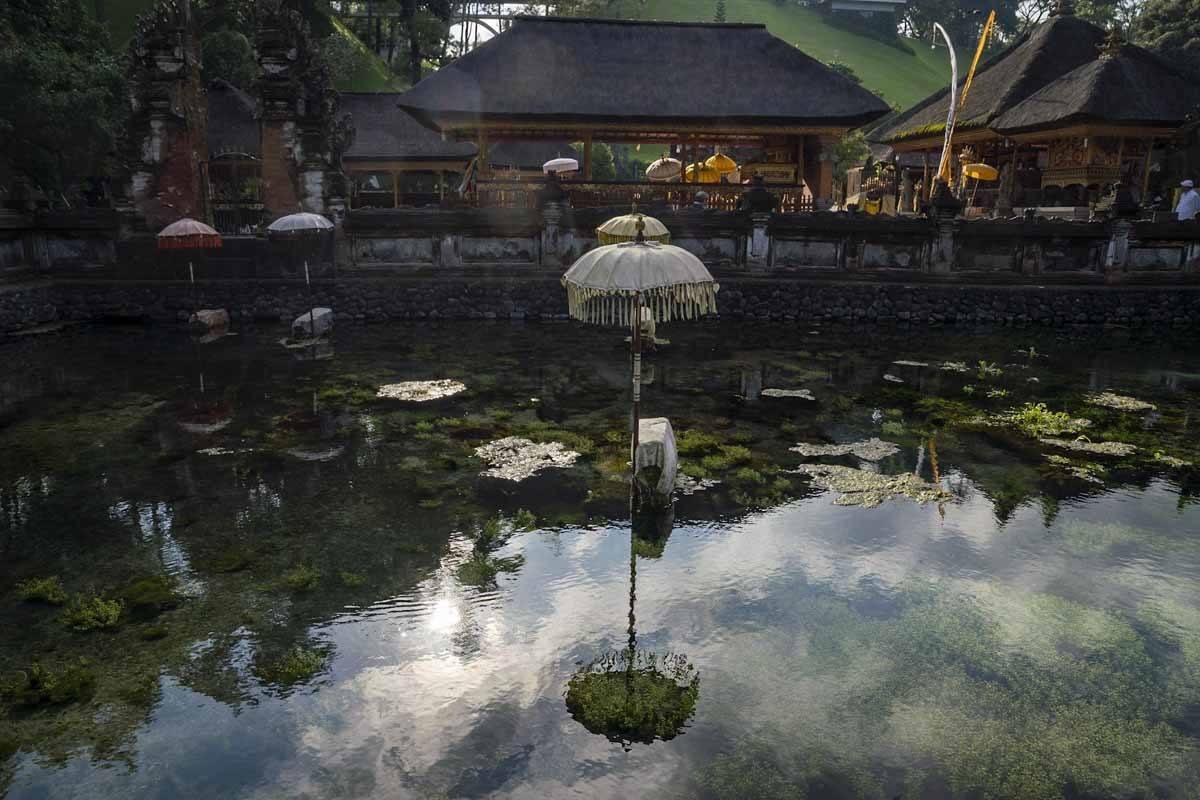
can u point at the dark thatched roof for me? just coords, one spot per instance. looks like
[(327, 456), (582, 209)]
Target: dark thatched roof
[(232, 126), (1130, 88), (384, 132), (1058, 61), (588, 70)]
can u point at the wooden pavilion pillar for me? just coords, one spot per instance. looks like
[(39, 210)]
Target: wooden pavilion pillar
[(587, 156), (483, 165), (395, 189), (925, 176), (820, 173)]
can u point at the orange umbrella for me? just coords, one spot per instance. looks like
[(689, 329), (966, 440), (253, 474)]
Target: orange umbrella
[(188, 234)]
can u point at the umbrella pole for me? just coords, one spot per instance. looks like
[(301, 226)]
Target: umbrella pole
[(312, 325), (637, 380), (192, 280)]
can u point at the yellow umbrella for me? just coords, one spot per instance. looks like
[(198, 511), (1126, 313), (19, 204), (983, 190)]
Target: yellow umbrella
[(722, 163), (707, 174), (981, 172), (624, 229)]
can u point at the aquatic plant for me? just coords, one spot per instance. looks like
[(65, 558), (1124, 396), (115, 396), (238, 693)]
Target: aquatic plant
[(694, 442), (1170, 460), (987, 369), (869, 489), (297, 665), (872, 449), (150, 596), (953, 366), (1035, 419), (749, 475), (38, 686), (1083, 445), (524, 520), (481, 570), (351, 580), (1118, 402), (302, 578), (634, 696), (892, 428), (92, 613), (153, 633), (43, 590)]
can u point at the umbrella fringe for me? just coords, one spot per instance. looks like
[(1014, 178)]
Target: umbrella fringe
[(666, 303)]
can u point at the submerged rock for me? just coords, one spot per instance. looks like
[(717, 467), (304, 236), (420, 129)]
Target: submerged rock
[(306, 454), (1119, 402), (421, 391), (209, 319), (803, 394), (1171, 461), (1117, 449), (687, 485), (903, 362), (893, 378), (859, 487), (515, 459), (954, 366), (872, 449), (317, 322)]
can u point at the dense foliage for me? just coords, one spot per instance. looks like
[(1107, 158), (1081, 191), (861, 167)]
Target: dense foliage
[(1172, 29), (61, 92)]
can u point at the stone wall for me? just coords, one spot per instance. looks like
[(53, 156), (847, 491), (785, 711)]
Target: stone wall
[(538, 296)]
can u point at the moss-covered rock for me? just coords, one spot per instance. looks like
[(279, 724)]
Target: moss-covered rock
[(92, 613), (43, 590), (38, 686)]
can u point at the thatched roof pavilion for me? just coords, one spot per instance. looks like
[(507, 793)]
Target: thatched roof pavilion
[(672, 83), (1082, 107), (394, 160)]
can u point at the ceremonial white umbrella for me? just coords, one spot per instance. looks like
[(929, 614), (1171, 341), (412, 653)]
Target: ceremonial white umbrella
[(664, 170), (620, 284), (296, 226), (625, 229), (188, 234), (560, 165)]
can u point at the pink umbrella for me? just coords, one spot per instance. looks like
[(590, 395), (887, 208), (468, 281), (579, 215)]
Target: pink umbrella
[(188, 234)]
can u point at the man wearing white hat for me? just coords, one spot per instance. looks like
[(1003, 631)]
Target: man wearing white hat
[(1189, 202)]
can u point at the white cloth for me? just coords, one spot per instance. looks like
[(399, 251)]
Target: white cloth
[(1189, 205), (656, 448)]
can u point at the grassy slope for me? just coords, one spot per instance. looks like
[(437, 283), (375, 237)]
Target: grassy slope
[(372, 74), (899, 77)]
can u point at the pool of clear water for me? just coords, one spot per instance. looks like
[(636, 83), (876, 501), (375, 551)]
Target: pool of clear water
[(229, 569)]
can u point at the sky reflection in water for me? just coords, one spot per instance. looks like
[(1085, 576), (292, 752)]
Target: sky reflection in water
[(1038, 634)]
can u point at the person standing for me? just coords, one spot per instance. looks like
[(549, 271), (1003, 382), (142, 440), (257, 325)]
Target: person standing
[(1189, 202)]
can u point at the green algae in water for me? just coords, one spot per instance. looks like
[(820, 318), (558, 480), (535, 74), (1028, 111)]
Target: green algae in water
[(43, 590), (297, 665), (634, 697), (150, 596), (351, 580), (299, 579), (38, 686), (482, 570), (92, 613), (869, 489), (1036, 420)]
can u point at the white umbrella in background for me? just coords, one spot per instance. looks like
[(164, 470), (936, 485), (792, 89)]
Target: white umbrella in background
[(560, 165), (300, 226), (664, 170)]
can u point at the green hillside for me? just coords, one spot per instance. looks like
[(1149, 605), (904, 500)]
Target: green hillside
[(371, 74), (900, 78)]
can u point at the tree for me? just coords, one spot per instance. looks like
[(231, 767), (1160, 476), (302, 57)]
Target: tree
[(1104, 13), (228, 55), (62, 92), (962, 20), (603, 168), (1171, 28), (719, 14)]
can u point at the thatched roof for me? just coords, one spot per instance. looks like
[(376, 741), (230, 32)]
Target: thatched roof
[(1131, 87), (232, 126), (1059, 62), (580, 71), (384, 132)]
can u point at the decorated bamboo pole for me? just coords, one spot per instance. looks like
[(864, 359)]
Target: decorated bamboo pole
[(636, 339)]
